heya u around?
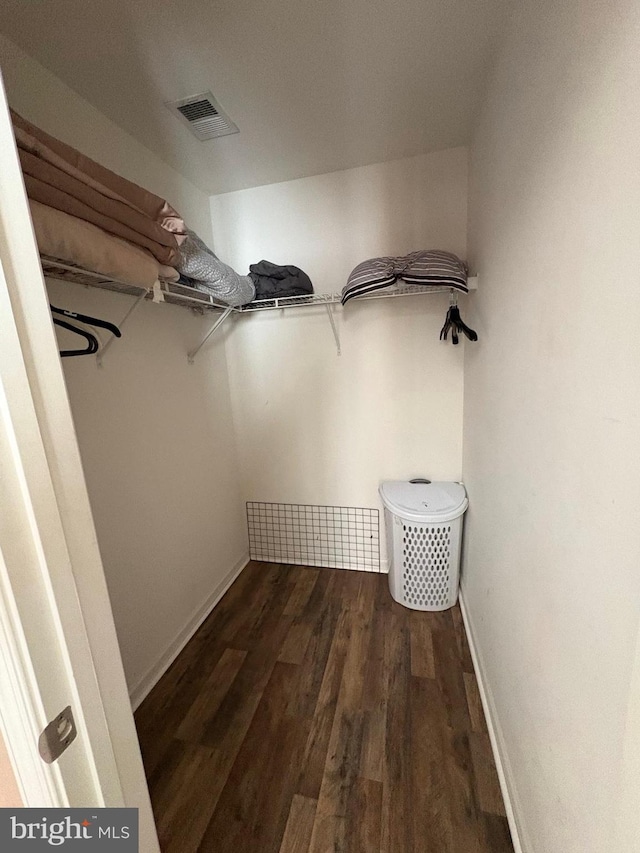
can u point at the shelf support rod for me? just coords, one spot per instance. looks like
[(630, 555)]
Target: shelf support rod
[(334, 328), (138, 301), (194, 352)]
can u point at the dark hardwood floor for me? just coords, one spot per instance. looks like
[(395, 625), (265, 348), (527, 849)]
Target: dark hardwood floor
[(311, 713)]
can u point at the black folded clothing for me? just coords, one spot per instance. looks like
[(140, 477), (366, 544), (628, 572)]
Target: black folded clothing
[(275, 282)]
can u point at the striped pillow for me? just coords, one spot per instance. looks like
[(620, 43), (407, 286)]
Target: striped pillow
[(368, 276), (430, 268)]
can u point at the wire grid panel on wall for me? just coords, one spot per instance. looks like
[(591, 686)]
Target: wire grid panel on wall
[(337, 537)]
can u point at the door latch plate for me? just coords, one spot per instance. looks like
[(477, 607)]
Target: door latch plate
[(58, 735)]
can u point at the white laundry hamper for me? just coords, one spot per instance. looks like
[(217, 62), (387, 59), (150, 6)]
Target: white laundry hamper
[(423, 524)]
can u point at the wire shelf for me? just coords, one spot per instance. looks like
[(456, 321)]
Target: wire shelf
[(189, 297), (54, 268), (290, 302), (171, 292), (200, 301), (336, 298)]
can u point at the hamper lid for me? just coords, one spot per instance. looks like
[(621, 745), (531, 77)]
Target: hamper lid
[(441, 501)]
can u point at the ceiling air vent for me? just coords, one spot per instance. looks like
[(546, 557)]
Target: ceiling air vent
[(204, 116)]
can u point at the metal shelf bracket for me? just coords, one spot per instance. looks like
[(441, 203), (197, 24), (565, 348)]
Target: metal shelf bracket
[(139, 300), (191, 356), (334, 328)]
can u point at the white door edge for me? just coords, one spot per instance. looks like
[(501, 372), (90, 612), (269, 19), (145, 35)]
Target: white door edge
[(53, 518), (21, 710)]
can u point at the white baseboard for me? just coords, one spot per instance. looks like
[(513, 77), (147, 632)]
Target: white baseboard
[(497, 742), (145, 685)]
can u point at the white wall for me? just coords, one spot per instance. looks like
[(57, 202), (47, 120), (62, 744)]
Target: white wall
[(158, 449), (155, 434), (552, 416), (315, 428)]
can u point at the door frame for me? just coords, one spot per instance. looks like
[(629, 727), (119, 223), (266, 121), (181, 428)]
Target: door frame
[(40, 456)]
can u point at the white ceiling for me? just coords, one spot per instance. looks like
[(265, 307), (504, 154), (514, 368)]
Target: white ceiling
[(314, 85)]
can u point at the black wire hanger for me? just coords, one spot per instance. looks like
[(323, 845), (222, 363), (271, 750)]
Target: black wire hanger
[(454, 323), (91, 339), (90, 321)]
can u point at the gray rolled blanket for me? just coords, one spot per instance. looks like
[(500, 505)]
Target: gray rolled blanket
[(211, 275)]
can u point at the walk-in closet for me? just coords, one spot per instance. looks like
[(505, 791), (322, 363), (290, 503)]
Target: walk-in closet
[(326, 316)]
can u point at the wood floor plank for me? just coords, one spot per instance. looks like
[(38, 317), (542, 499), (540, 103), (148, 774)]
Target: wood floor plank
[(422, 662), (449, 676), (458, 768), (252, 810), (295, 645), (374, 696), (213, 691), (497, 834), (432, 817), (474, 702), (366, 817), (321, 612), (397, 828), (324, 621), (236, 710), (178, 763), (486, 777), (461, 638), (333, 827), (297, 834), (301, 592), (183, 810), (275, 587), (313, 714), (374, 691), (171, 706), (183, 824), (239, 605), (374, 739), (317, 745), (337, 802), (360, 618)]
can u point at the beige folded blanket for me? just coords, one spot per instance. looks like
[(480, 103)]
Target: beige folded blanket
[(103, 182), (108, 208), (80, 243), (53, 197)]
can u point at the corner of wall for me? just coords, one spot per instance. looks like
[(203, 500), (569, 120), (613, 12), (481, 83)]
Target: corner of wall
[(154, 673)]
